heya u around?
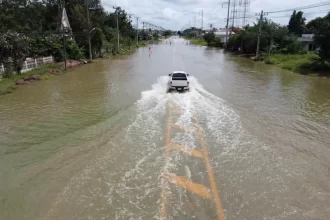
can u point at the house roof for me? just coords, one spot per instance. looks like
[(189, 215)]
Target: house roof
[(222, 33)]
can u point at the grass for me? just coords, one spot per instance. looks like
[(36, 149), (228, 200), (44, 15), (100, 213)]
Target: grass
[(194, 41), (199, 42), (45, 77), (7, 85), (300, 63), (125, 50), (142, 44)]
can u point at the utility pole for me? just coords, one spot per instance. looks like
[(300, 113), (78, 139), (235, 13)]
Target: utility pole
[(89, 34), (227, 25), (63, 30), (117, 31), (234, 16), (260, 24), (202, 20), (64, 50), (137, 30)]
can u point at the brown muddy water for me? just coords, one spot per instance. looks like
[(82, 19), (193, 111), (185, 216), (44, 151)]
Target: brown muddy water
[(105, 141)]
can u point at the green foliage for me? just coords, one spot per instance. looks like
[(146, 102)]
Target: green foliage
[(73, 50), (217, 42), (52, 44), (321, 29), (143, 44), (97, 39), (200, 42), (192, 32), (167, 33), (297, 23), (209, 38), (294, 62), (108, 47), (155, 36), (14, 49), (271, 34), (129, 42), (294, 47), (45, 77), (7, 85), (39, 21)]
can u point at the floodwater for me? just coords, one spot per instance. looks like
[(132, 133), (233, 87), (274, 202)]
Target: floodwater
[(105, 141)]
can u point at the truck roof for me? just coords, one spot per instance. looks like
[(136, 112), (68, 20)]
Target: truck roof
[(178, 72)]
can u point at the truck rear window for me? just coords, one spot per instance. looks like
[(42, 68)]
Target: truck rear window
[(179, 76)]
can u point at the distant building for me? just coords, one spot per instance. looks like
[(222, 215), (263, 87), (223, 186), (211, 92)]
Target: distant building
[(222, 34), (307, 42)]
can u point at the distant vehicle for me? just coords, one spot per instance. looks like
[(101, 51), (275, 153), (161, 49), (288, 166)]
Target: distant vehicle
[(178, 81)]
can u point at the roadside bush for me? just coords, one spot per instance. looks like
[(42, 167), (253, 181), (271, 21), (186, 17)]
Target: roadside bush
[(6, 86), (73, 50), (200, 42), (209, 38), (294, 62), (217, 42), (294, 47)]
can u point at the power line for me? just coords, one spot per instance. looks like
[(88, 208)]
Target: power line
[(302, 7), (136, 16), (305, 14)]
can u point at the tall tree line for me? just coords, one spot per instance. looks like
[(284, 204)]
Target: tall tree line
[(278, 38), (32, 28)]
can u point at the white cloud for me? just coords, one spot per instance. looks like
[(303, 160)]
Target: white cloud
[(176, 14), (171, 14)]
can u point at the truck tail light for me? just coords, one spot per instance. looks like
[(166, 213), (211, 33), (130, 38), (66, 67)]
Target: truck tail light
[(187, 83), (171, 83)]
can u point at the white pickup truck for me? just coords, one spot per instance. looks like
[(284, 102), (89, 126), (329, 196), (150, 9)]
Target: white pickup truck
[(178, 81)]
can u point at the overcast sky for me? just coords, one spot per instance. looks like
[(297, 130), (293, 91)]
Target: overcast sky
[(177, 14)]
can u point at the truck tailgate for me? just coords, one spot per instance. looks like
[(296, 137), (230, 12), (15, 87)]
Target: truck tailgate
[(179, 83)]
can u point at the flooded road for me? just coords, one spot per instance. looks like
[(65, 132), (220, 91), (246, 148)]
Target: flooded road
[(105, 141)]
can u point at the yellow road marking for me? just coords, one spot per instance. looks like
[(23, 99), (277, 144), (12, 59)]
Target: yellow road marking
[(210, 173), (183, 128), (189, 185), (187, 150), (178, 112), (164, 183), (183, 182)]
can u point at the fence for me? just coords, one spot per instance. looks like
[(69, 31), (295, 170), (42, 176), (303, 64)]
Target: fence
[(30, 64)]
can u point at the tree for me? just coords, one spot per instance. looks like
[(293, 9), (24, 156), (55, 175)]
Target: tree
[(297, 23), (20, 51), (14, 49), (209, 38), (167, 33), (321, 29), (39, 22), (272, 35), (129, 42), (281, 35), (97, 40), (155, 35), (192, 32)]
